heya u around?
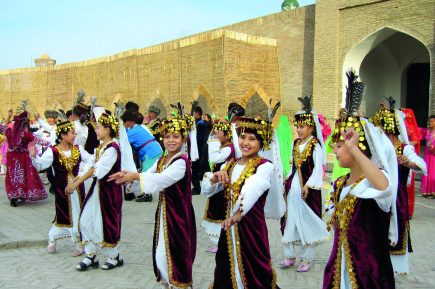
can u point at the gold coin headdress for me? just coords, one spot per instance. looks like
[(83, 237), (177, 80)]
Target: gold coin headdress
[(110, 121), (64, 127), (261, 128), (224, 125), (305, 116), (387, 118)]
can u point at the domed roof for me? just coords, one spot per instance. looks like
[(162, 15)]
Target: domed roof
[(44, 56)]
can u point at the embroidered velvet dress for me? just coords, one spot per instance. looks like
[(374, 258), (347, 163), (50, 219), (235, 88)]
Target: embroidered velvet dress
[(302, 223), (101, 214), (215, 208), (174, 242), (400, 252), (360, 255), (243, 258), (22, 179), (65, 167)]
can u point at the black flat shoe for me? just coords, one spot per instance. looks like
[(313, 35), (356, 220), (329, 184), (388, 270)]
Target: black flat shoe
[(83, 267), (14, 203), (129, 197), (144, 198), (110, 266)]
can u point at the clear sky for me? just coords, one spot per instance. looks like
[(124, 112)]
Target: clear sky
[(83, 29)]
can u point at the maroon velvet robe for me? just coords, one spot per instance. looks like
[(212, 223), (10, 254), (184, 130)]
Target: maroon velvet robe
[(180, 229), (59, 181), (314, 198), (252, 243), (110, 195), (217, 204), (368, 243), (22, 180), (404, 239)]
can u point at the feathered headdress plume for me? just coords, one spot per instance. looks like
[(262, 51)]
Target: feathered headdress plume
[(80, 97), (62, 115), (271, 112), (307, 103), (22, 107), (232, 112), (391, 102), (179, 109), (179, 122), (119, 109), (348, 118), (354, 93)]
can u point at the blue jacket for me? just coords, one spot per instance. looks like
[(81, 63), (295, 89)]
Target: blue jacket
[(143, 142)]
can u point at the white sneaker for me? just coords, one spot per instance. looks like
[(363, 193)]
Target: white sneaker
[(51, 248), (77, 252)]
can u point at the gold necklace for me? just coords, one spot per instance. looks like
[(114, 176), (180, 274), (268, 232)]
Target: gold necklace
[(71, 162), (300, 158), (247, 172)]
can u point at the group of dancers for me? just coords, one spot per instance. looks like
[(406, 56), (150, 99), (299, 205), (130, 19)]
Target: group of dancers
[(367, 205)]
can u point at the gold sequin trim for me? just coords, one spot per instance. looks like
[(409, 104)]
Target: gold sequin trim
[(162, 202), (404, 248), (398, 147), (341, 218), (69, 164), (298, 157), (247, 172), (239, 255)]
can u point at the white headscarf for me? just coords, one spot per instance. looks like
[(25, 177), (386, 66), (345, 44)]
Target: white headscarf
[(384, 156)]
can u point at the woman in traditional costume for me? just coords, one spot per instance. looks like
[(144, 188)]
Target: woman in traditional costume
[(360, 202), (303, 224), (3, 153), (220, 151), (427, 187), (22, 179), (243, 258), (100, 217), (391, 121), (82, 115), (64, 160), (174, 243), (414, 136)]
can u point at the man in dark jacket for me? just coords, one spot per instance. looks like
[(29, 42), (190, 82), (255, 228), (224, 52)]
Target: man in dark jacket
[(200, 166)]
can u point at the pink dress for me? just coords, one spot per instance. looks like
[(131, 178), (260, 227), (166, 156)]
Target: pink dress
[(4, 151), (428, 182)]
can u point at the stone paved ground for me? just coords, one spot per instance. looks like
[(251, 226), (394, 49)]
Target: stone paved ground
[(24, 262)]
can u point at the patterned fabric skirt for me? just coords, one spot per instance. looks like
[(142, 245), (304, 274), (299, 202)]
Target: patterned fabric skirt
[(22, 179)]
